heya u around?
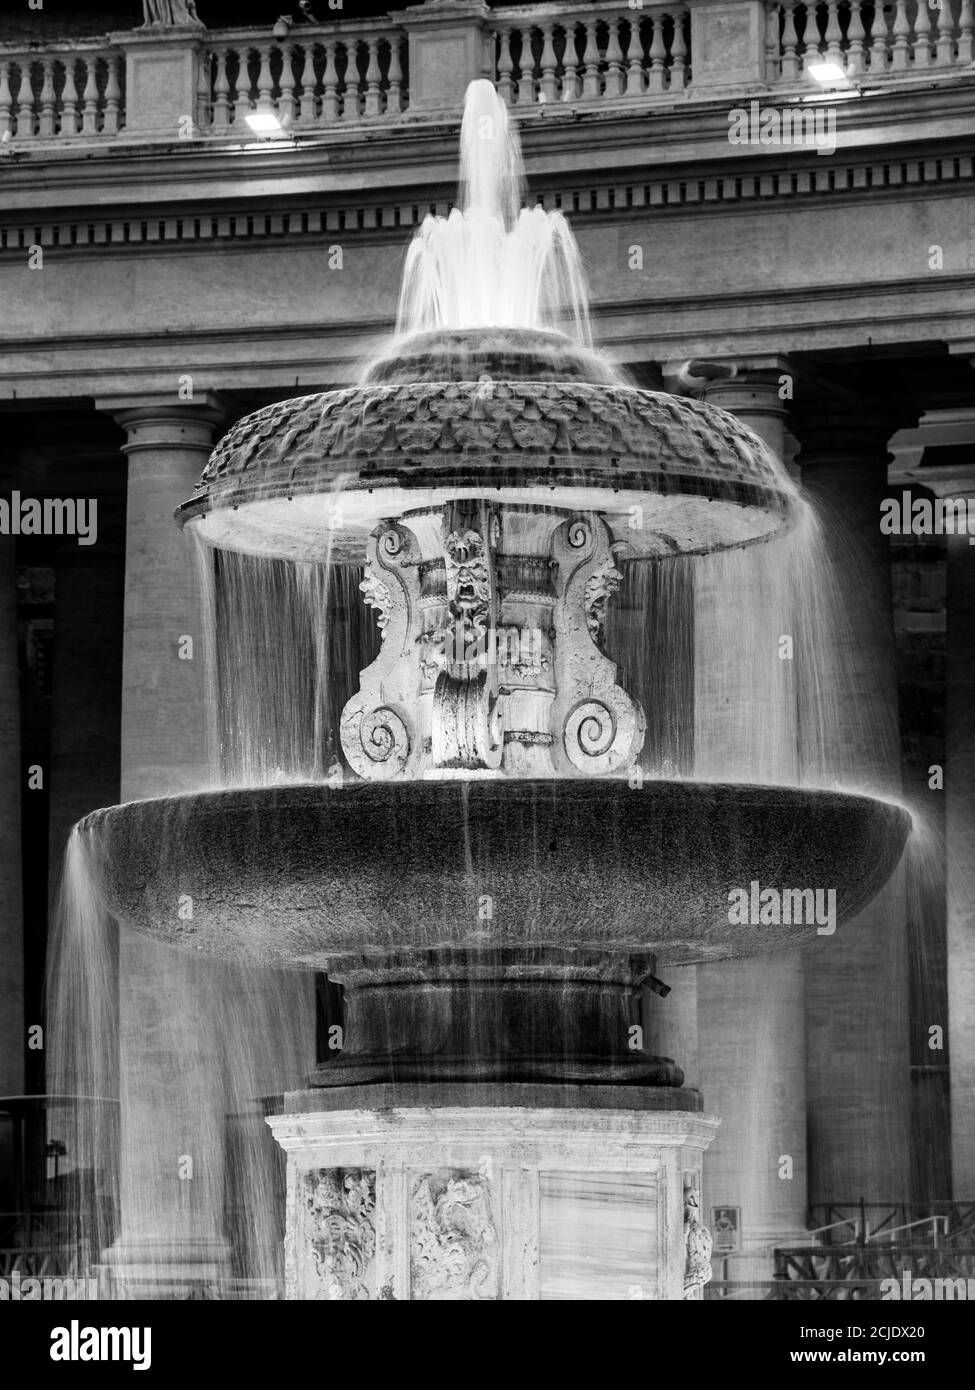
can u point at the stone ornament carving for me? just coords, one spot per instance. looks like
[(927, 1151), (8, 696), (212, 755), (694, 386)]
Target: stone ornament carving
[(551, 433), (454, 1250), (491, 661), (697, 1242), (376, 595), (376, 727), (466, 726), (469, 586), (601, 728), (600, 587), (341, 1205)]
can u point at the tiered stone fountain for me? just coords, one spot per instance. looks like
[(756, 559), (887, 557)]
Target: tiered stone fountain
[(491, 885)]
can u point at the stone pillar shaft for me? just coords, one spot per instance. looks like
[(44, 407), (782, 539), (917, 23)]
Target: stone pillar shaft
[(751, 1034), (171, 1144), (12, 1021), (856, 981), (960, 846)]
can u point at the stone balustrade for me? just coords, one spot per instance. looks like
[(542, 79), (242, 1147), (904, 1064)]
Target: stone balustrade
[(550, 53), (893, 40), (77, 92), (171, 83), (317, 77)]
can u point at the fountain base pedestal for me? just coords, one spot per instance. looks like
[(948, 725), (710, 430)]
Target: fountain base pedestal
[(463, 1193), (542, 1016)]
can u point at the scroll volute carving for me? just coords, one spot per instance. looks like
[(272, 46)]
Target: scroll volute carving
[(598, 728), (378, 726)]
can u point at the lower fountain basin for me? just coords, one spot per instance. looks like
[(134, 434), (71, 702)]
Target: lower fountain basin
[(297, 875)]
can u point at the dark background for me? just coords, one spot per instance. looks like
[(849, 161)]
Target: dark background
[(60, 19)]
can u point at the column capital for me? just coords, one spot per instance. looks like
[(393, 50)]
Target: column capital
[(841, 427), (755, 395), (751, 391), (160, 422)]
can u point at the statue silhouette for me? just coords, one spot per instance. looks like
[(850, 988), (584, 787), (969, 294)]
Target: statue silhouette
[(159, 13)]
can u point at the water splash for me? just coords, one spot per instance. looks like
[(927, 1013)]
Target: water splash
[(492, 262)]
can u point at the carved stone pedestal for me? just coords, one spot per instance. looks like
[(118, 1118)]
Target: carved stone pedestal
[(432, 1198)]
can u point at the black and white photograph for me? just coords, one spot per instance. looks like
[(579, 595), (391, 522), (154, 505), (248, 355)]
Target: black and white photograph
[(487, 666)]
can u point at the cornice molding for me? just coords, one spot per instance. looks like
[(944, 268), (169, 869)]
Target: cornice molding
[(391, 219)]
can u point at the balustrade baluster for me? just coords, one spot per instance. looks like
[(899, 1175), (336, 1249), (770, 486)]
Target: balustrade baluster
[(880, 40), (526, 76), (47, 99), (221, 91), (635, 59), (330, 100), (548, 86), (790, 39), (25, 102), (657, 75), (678, 49), (69, 100), (571, 63), (834, 35), (506, 66), (287, 109), (394, 97), (901, 54), (373, 74), (113, 97), (856, 58), (965, 26), (946, 35), (922, 36), (265, 82), (350, 97), (813, 41), (614, 60), (6, 100), (592, 83), (89, 112)]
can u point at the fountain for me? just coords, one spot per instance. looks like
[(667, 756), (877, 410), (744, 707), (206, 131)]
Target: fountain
[(492, 879)]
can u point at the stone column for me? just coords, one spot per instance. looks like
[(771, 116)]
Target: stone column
[(959, 482), (960, 847), (171, 1139), (12, 1022), (858, 1075), (751, 1033)]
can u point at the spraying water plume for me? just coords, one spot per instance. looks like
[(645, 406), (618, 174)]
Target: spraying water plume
[(492, 262)]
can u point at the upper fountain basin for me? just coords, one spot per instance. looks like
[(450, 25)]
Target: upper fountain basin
[(295, 875), (518, 416)]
